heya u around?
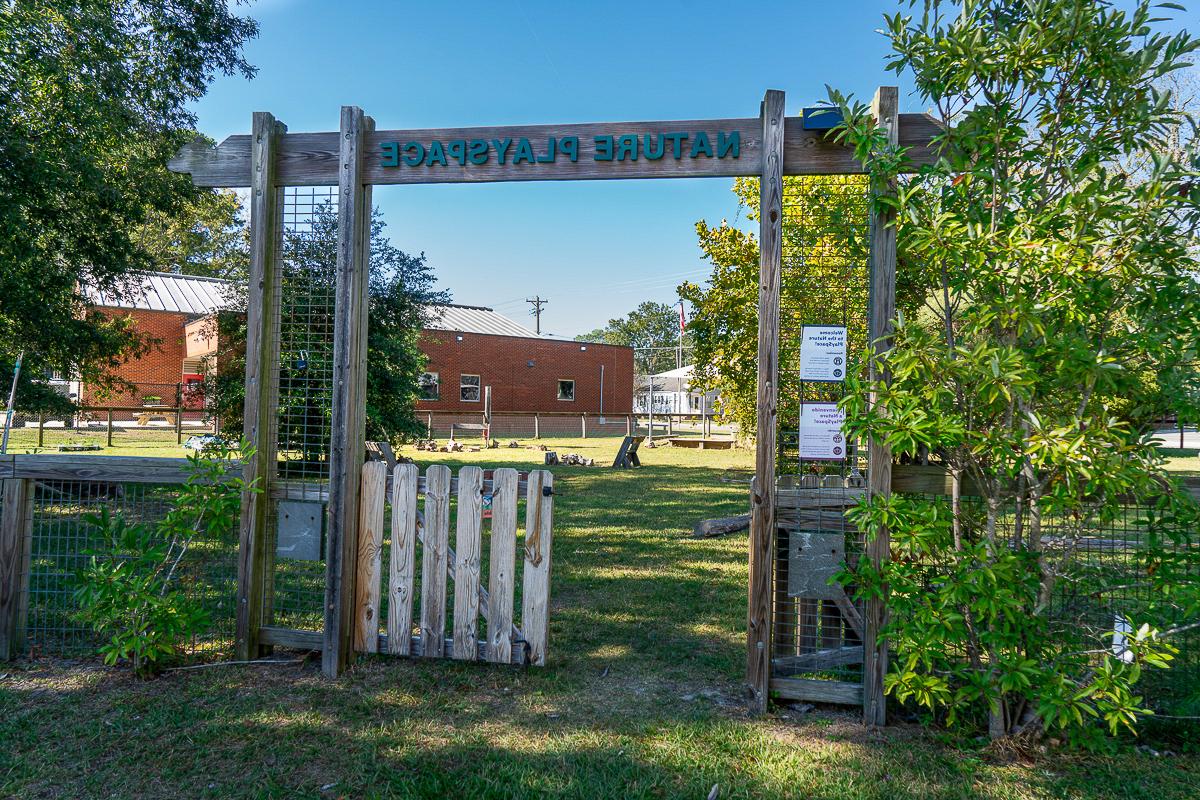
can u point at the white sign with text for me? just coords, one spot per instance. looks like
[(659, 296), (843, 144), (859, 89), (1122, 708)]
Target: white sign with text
[(823, 353), (821, 437)]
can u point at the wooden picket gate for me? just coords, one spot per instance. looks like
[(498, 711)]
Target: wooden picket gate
[(505, 641)]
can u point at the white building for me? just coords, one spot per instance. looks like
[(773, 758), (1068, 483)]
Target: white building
[(673, 394)]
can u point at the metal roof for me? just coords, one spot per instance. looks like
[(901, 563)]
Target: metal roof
[(680, 372), (476, 319), (188, 294), (163, 291)]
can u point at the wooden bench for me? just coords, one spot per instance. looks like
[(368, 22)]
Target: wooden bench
[(627, 456)]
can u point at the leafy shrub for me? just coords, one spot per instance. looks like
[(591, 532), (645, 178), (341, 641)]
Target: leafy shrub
[(1057, 227), (129, 591)]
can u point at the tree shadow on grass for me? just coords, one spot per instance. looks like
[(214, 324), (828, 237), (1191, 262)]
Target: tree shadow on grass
[(401, 728)]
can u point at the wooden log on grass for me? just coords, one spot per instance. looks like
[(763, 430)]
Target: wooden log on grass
[(721, 526)]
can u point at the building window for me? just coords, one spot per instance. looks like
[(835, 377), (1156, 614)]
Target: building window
[(429, 387), (468, 388), (566, 389)]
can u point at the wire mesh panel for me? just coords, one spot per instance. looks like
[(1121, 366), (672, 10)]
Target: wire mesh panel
[(1102, 564), (304, 384), (64, 539), (817, 629)]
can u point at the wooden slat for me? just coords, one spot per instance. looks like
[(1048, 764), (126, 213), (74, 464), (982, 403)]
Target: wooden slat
[(436, 540), (370, 553), (879, 454), (928, 479), (850, 614), (762, 512), (469, 547), (15, 521), (262, 348), (403, 559), (502, 566), (811, 690), (347, 433), (292, 638), (817, 498), (824, 659), (539, 539), (311, 159)]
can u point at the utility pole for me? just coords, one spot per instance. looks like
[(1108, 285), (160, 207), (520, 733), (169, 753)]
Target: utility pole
[(537, 302)]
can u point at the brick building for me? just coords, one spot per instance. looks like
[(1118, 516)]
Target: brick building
[(469, 348), (176, 310)]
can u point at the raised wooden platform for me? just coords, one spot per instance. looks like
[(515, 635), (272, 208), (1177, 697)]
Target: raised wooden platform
[(702, 444)]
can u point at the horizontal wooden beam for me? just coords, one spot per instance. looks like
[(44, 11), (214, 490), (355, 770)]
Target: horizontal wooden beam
[(103, 469), (820, 660), (911, 478), (315, 640), (813, 690), (311, 159)]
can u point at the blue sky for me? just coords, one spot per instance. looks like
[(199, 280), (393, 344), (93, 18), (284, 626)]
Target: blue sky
[(595, 249)]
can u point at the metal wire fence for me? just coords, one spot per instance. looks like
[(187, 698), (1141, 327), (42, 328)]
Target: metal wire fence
[(1105, 559), (143, 417), (63, 539), (1104, 565), (824, 282), (303, 383)]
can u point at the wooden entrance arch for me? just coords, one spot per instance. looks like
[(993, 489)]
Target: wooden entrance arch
[(357, 157)]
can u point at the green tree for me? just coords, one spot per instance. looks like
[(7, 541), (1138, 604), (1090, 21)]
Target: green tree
[(402, 300), (206, 235), (93, 102), (824, 281), (652, 329), (1059, 282)]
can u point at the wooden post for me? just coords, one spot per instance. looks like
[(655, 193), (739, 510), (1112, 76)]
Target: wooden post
[(262, 361), (762, 511), (110, 417), (179, 425), (537, 430), (879, 454), (348, 423), (629, 424), (42, 429), (487, 415), (429, 426), (583, 424), (16, 519)]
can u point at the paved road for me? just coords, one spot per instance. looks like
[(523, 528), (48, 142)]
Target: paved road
[(1170, 437)]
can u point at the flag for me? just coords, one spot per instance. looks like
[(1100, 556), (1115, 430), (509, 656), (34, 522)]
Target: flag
[(682, 318)]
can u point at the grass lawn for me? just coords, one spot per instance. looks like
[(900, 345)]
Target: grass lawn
[(1182, 461), (131, 441), (642, 696)]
